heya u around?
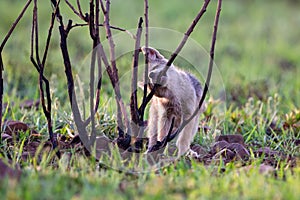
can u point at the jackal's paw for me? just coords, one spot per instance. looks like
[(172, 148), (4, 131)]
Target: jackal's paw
[(192, 154)]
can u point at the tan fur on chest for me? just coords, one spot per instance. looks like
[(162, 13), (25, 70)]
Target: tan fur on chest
[(166, 101)]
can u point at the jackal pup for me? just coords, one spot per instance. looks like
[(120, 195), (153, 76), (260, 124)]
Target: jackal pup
[(178, 96)]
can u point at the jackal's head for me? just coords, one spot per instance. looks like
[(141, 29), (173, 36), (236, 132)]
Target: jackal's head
[(157, 63)]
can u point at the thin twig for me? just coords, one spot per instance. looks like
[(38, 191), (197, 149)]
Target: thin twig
[(99, 84), (79, 9), (57, 11), (111, 75), (97, 41), (210, 68), (92, 71), (94, 32), (102, 7), (1, 92), (112, 27), (121, 106), (109, 37), (42, 74), (48, 39), (135, 119), (78, 13), (186, 35), (68, 71), (146, 79), (92, 20), (40, 68)]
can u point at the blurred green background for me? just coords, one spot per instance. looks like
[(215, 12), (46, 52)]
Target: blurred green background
[(257, 49)]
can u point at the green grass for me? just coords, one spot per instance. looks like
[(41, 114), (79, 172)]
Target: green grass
[(84, 181), (257, 56)]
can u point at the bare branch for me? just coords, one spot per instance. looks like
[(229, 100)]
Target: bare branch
[(115, 80), (96, 43), (187, 34), (1, 91), (109, 35), (102, 7), (40, 68), (210, 67), (144, 101), (94, 32), (78, 13), (111, 27), (57, 11), (92, 69), (99, 84), (92, 20), (48, 38), (68, 71), (133, 99), (112, 78), (79, 8)]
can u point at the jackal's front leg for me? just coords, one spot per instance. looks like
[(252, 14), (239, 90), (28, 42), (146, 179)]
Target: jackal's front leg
[(153, 123)]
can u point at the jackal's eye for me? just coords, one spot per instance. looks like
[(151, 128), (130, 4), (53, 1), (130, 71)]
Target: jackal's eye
[(151, 75)]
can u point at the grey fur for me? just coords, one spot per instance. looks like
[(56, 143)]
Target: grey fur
[(196, 84), (178, 96)]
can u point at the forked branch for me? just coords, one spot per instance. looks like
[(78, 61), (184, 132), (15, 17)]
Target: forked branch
[(79, 12), (64, 31), (39, 65)]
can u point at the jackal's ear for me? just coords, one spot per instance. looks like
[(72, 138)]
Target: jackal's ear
[(153, 54)]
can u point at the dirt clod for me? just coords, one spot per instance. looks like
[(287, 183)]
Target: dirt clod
[(8, 171), (13, 128), (234, 138), (218, 146), (240, 151), (198, 149)]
